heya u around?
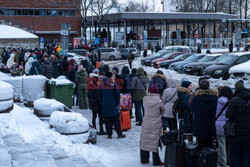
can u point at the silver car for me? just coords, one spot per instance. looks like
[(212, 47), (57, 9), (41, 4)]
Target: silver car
[(109, 53)]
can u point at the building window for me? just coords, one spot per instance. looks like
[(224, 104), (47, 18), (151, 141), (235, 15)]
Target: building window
[(36, 12)]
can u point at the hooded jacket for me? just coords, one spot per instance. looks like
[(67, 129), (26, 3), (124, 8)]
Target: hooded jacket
[(139, 85), (204, 107), (220, 122), (11, 61), (169, 97), (71, 65), (81, 79), (57, 68), (161, 82), (152, 124), (238, 111)]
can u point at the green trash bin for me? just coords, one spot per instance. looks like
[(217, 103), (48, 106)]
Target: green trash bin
[(61, 92)]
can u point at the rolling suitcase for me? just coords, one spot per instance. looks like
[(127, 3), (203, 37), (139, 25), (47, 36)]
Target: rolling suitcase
[(191, 155), (207, 158), (175, 151), (125, 120)]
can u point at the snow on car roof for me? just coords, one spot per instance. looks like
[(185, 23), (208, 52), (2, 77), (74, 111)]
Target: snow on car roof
[(176, 47), (244, 67), (214, 55), (10, 32), (240, 53)]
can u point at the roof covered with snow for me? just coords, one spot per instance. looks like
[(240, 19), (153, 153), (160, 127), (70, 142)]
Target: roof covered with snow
[(244, 67), (10, 32)]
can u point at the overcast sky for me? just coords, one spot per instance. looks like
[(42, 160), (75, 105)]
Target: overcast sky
[(158, 5)]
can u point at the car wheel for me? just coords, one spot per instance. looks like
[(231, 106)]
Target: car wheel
[(226, 76), (112, 58)]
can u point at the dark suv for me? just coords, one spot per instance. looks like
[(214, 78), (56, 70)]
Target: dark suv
[(221, 68)]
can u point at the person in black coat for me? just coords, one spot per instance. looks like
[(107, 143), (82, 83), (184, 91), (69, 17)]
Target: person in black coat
[(94, 103), (47, 69), (231, 47), (65, 65), (124, 77), (204, 107), (57, 67), (72, 78), (239, 111), (109, 96), (145, 53), (99, 54), (199, 49)]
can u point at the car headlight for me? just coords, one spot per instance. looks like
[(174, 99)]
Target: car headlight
[(218, 71)]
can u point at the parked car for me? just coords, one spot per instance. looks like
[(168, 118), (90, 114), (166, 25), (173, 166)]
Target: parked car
[(185, 49), (178, 66), (168, 56), (182, 57), (134, 51), (81, 52), (207, 64), (247, 47), (109, 53), (221, 68), (241, 71), (78, 58), (197, 67), (124, 53), (147, 61), (149, 53)]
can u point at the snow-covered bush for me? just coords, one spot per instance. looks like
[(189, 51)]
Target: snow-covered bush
[(68, 122), (44, 107)]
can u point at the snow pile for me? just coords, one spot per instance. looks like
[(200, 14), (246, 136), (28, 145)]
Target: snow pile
[(244, 67), (9, 32), (17, 84), (6, 96), (33, 87), (44, 107), (69, 123), (60, 81)]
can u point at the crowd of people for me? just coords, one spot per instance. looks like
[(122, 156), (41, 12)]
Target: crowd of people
[(205, 111)]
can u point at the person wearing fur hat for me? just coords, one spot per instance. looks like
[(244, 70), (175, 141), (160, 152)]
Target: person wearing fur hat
[(151, 126), (81, 82), (204, 107), (239, 111), (184, 93)]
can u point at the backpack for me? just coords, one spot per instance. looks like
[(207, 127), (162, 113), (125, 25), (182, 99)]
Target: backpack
[(178, 108)]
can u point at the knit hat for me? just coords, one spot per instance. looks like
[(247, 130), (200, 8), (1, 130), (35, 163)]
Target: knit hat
[(115, 69), (34, 57), (153, 89), (239, 85), (80, 68), (186, 84)]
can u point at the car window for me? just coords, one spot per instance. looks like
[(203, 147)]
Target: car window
[(175, 55), (185, 50), (70, 55), (206, 59), (242, 59), (229, 59)]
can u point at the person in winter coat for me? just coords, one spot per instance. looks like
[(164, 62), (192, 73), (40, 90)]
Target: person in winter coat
[(36, 69), (65, 65), (169, 97), (151, 126), (72, 63), (184, 93), (131, 57), (204, 110), (94, 103), (231, 47), (57, 67), (99, 54), (72, 78), (11, 62), (47, 69), (145, 53), (124, 80), (225, 94), (160, 80), (28, 64), (239, 111), (138, 90), (109, 96), (81, 82)]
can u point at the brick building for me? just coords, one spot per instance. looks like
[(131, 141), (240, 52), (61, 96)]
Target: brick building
[(42, 17)]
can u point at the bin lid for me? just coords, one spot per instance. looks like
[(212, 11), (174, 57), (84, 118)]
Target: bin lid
[(60, 82)]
